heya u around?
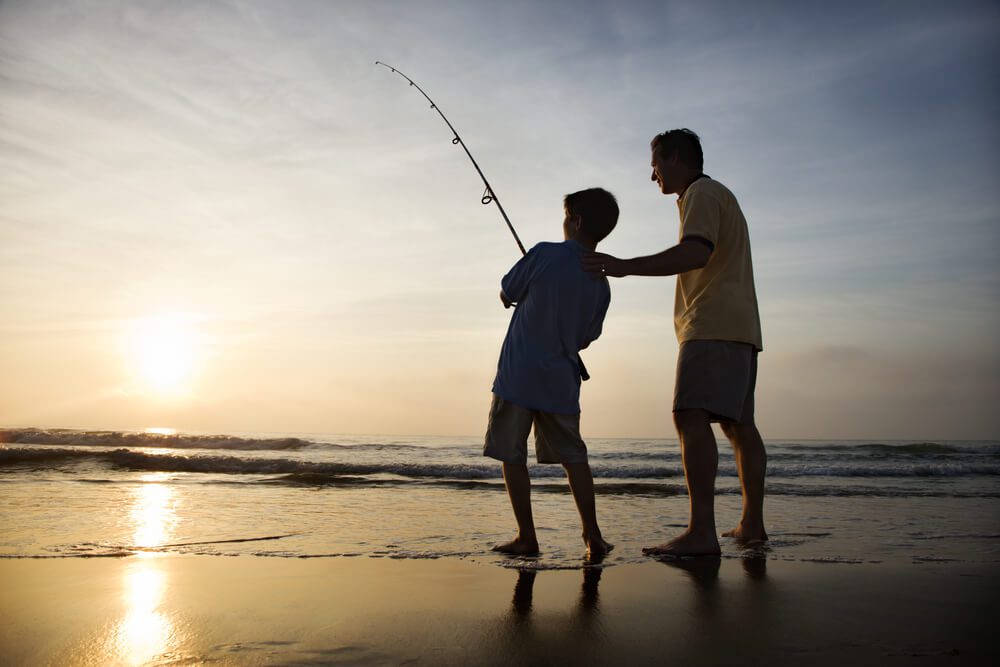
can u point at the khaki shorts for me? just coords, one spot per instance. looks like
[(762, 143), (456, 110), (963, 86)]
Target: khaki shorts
[(717, 376), (557, 437)]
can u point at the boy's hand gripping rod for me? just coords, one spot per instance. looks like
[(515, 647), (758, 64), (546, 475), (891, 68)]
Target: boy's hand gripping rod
[(488, 194)]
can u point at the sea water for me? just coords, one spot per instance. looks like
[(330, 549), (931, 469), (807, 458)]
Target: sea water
[(70, 493)]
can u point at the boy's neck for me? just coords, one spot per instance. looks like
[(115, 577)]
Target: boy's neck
[(583, 240)]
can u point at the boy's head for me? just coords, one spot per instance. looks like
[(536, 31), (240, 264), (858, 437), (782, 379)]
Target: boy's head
[(590, 215)]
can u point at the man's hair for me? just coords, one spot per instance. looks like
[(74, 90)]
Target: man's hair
[(683, 143), (597, 209)]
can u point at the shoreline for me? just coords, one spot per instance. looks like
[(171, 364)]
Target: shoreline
[(189, 609)]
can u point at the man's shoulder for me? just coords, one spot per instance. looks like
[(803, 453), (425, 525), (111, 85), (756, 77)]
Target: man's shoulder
[(710, 187)]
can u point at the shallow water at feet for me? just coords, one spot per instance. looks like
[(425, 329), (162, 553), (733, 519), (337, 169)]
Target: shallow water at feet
[(93, 494)]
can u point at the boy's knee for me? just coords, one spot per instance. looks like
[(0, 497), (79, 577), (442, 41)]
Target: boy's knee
[(739, 434), (729, 429)]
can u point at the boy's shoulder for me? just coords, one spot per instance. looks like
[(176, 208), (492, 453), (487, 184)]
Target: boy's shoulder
[(548, 246), (555, 248)]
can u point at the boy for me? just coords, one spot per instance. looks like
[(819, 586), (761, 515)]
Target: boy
[(560, 311)]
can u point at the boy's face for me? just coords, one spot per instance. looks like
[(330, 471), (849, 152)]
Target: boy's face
[(571, 224)]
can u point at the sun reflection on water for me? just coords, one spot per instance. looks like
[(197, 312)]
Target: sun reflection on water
[(152, 515)]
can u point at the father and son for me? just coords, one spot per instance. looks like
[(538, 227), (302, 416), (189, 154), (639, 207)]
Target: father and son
[(562, 294)]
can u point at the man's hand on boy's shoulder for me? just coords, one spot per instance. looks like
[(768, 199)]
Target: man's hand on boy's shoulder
[(601, 264), (507, 303)]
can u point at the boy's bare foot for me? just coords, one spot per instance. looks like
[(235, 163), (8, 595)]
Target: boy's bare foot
[(598, 548), (687, 544), (518, 547), (747, 535)]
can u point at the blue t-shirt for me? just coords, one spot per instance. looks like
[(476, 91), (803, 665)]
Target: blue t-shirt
[(560, 310)]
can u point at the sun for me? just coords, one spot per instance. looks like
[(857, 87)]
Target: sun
[(163, 350)]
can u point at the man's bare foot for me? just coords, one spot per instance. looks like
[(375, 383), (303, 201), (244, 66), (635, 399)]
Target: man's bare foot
[(518, 547), (687, 544), (747, 535)]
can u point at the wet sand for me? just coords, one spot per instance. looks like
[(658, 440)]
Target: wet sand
[(175, 609)]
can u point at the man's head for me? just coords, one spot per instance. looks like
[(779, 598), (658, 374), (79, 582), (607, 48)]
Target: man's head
[(590, 215), (676, 160)]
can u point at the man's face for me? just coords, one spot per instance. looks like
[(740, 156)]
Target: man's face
[(664, 172)]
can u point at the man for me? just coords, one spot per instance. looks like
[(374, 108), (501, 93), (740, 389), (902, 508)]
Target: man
[(718, 328)]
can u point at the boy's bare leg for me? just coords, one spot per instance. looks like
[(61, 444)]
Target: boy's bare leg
[(751, 462), (701, 461), (515, 477), (581, 482)]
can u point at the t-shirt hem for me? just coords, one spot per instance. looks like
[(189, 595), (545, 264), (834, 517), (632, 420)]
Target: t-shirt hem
[(757, 343), (529, 405)]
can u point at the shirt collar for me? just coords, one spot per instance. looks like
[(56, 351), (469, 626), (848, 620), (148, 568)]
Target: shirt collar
[(696, 178)]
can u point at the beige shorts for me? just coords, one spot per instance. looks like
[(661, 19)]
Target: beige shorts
[(717, 376), (557, 437)]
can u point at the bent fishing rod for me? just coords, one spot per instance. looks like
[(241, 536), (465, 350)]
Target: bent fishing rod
[(488, 194)]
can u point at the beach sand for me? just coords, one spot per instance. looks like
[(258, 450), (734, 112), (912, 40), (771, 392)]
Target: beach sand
[(179, 610)]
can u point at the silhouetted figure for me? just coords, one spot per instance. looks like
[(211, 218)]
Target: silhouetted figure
[(718, 328), (560, 311)]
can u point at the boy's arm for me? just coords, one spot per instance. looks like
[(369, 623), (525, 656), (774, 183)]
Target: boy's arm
[(514, 285)]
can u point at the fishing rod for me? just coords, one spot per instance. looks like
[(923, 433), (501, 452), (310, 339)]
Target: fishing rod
[(488, 194)]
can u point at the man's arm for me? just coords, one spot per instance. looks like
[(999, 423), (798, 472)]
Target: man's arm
[(687, 255), (507, 303)]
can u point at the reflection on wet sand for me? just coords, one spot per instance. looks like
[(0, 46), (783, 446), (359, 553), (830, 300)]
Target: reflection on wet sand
[(522, 602), (145, 632), (531, 631)]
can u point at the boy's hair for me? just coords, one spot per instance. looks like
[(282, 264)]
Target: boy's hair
[(597, 209), (684, 143)]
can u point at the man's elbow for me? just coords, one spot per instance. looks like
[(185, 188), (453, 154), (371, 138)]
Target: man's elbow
[(697, 253), (701, 259)]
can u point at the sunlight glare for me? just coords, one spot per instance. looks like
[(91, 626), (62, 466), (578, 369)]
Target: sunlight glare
[(163, 350)]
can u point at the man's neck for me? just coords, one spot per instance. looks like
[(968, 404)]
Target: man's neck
[(694, 177)]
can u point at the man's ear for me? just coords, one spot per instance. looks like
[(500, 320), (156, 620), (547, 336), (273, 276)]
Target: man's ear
[(577, 222)]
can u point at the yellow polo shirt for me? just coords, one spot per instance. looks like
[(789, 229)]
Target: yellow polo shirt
[(717, 301)]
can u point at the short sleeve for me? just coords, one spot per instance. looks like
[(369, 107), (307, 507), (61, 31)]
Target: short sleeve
[(515, 283), (700, 216)]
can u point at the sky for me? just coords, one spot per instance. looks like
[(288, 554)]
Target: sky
[(224, 217)]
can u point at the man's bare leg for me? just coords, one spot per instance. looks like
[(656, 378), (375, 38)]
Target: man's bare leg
[(701, 462), (581, 482), (751, 462), (518, 483)]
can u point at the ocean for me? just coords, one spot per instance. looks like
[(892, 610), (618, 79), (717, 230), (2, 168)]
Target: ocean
[(86, 494)]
